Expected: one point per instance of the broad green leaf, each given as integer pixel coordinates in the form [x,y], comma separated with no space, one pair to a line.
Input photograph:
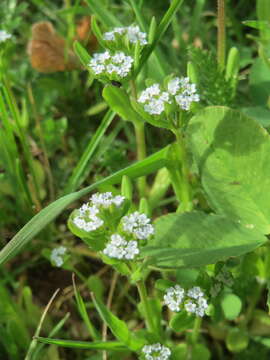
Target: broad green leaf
[118,327]
[232,152]
[231,305]
[260,82]
[48,214]
[196,239]
[96,345]
[259,113]
[82,53]
[118,100]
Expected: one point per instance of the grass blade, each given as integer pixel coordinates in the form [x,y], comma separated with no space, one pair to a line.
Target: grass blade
[77,178]
[103,14]
[162,27]
[45,216]
[97,345]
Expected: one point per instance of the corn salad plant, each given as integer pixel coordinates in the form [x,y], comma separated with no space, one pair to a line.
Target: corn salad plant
[183,230]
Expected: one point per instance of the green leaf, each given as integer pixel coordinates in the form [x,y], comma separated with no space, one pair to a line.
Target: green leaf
[151,119]
[196,239]
[259,113]
[259,82]
[84,315]
[237,340]
[118,100]
[200,352]
[49,213]
[161,29]
[97,345]
[118,327]
[231,305]
[105,16]
[82,53]
[232,152]
[181,321]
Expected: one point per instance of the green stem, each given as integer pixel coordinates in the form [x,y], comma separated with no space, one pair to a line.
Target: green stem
[196,330]
[140,143]
[141,155]
[192,340]
[182,174]
[147,308]
[221,38]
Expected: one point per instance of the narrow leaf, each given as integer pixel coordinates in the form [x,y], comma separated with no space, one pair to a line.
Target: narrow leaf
[97,345]
[118,327]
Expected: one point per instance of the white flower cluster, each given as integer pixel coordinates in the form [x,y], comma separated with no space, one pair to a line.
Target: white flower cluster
[180,90]
[138,225]
[174,297]
[118,64]
[132,32]
[193,302]
[107,199]
[57,255]
[184,92]
[4,36]
[120,248]
[87,218]
[156,352]
[154,99]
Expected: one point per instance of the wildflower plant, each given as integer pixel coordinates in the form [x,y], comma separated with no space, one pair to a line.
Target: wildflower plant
[170,234]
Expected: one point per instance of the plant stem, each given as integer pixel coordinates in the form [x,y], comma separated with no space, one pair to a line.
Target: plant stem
[183,187]
[147,309]
[140,143]
[221,38]
[196,329]
[109,304]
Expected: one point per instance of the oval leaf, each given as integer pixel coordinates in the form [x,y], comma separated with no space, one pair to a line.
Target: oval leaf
[196,239]
[233,154]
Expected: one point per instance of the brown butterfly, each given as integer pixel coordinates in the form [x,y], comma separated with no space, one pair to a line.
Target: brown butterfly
[48,51]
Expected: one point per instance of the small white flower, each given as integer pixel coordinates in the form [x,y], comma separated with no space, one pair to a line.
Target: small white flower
[138,225]
[120,248]
[195,292]
[87,218]
[4,36]
[174,297]
[190,307]
[107,199]
[154,99]
[57,255]
[156,351]
[133,34]
[174,86]
[184,92]
[198,304]
[117,64]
